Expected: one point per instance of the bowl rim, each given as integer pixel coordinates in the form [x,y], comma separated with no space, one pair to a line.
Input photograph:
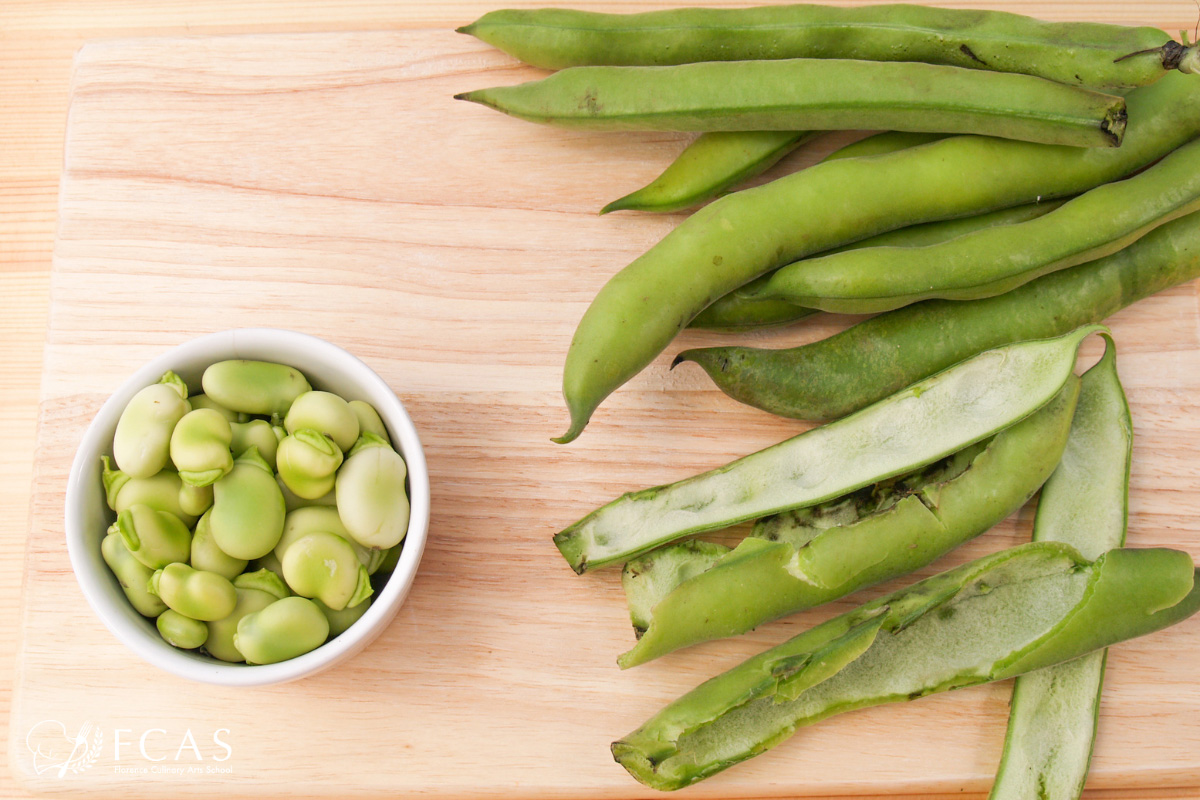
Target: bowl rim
[206,669]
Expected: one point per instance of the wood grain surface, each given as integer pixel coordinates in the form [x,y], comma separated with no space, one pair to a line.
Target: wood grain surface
[327,183]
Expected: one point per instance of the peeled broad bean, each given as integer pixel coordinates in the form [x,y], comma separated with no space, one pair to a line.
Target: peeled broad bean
[206,555]
[221,631]
[204,401]
[254,387]
[194,593]
[285,629]
[340,621]
[195,500]
[255,591]
[263,580]
[308,462]
[255,433]
[155,538]
[324,413]
[304,521]
[371,497]
[180,631]
[369,420]
[141,444]
[390,559]
[133,575]
[325,566]
[293,501]
[162,491]
[200,447]
[269,562]
[248,509]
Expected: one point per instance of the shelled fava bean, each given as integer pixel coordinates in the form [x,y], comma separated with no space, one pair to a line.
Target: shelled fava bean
[255,520]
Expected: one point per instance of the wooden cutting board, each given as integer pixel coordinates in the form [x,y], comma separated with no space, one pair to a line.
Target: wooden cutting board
[328,183]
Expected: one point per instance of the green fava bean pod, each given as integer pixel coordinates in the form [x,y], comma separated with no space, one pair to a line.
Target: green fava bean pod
[204,401]
[207,556]
[734,240]
[716,162]
[308,463]
[873,359]
[1083,53]
[325,566]
[922,424]
[200,447]
[880,143]
[162,491]
[285,629]
[325,413]
[142,442]
[997,617]
[804,558]
[745,309]
[340,621]
[132,575]
[197,594]
[256,433]
[254,387]
[998,259]
[371,496]
[1054,712]
[369,420]
[155,538]
[815,95]
[248,508]
[303,521]
[180,631]
[221,632]
[710,166]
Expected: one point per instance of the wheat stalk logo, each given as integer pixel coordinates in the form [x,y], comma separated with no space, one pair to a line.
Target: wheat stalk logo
[49,741]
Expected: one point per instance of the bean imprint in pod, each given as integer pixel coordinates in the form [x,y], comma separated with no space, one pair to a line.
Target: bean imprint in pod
[871,360]
[815,95]
[804,558]
[1054,711]
[922,424]
[998,259]
[1084,53]
[997,617]
[735,239]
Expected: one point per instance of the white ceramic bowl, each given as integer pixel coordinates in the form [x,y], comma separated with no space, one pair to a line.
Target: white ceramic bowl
[87,514]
